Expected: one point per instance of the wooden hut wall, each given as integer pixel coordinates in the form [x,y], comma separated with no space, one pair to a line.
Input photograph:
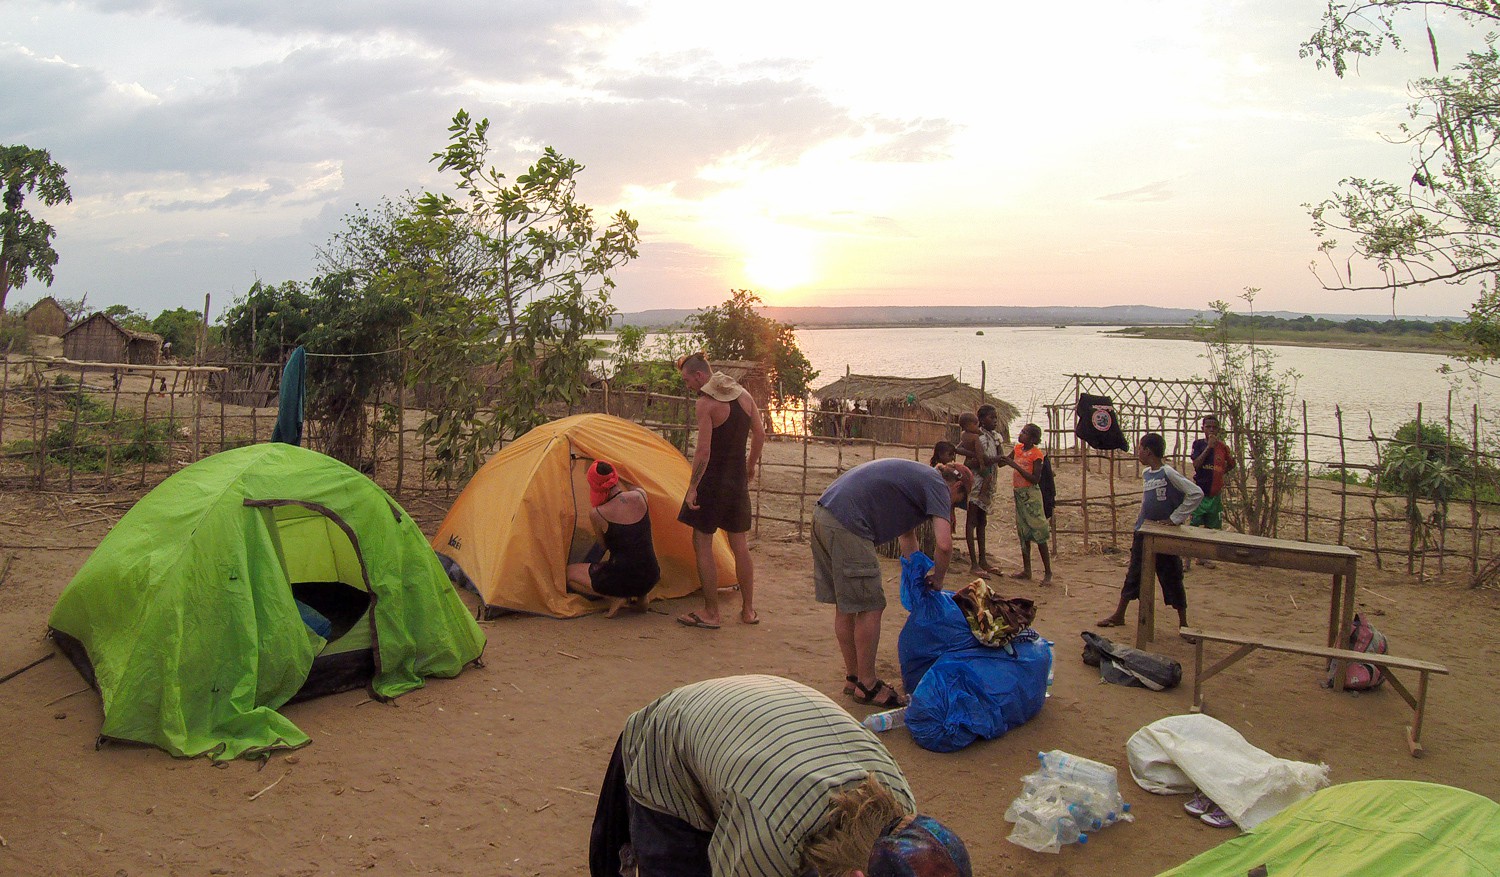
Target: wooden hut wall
[95,340]
[46,317]
[143,351]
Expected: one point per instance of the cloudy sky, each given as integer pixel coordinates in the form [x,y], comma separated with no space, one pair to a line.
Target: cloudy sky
[823,152]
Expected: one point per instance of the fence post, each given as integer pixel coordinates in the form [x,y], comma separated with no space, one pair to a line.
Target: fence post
[1338,416]
[1306,481]
[802,492]
[77,413]
[1083,500]
[41,446]
[1375,494]
[1474,501]
[1413,527]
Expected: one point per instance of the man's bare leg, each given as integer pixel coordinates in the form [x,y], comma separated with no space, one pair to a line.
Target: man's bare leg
[858,634]
[843,632]
[708,577]
[744,572]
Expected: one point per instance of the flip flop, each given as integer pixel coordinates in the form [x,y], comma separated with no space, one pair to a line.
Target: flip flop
[693,620]
[1108,622]
[1198,805]
[1217,818]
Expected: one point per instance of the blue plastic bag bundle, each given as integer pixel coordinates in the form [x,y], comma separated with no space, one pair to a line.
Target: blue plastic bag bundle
[934,626]
[961,690]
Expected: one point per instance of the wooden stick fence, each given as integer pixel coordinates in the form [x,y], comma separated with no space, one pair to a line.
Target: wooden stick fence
[50,409]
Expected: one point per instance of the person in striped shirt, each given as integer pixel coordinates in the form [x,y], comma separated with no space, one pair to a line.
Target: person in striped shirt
[759,776]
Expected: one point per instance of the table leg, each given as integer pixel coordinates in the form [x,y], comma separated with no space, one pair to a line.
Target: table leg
[1414,733]
[1145,621]
[1346,621]
[1335,611]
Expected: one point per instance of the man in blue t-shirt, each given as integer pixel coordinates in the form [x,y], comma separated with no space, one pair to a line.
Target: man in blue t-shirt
[869,505]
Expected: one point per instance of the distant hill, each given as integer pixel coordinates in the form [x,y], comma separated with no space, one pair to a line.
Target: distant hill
[979,316]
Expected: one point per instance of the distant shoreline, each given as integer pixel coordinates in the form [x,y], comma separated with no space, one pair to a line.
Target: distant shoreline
[1373,342]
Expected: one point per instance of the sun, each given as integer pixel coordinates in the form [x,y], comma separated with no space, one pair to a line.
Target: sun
[778,258]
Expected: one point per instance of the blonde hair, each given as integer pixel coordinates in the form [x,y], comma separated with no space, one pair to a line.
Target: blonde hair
[857,817]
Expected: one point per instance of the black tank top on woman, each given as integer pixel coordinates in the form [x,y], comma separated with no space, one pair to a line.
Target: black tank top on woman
[631,569]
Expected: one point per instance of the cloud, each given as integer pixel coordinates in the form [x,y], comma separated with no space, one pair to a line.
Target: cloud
[1157,191]
[917,140]
[511,38]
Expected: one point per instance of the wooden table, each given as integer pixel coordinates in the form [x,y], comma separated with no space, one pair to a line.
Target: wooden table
[1220,545]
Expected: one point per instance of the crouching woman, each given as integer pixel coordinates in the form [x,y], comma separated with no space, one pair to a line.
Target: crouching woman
[621,566]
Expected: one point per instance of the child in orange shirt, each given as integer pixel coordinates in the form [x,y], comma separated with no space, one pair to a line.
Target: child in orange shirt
[1031,516]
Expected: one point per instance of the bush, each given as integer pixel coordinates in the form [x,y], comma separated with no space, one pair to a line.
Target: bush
[86,432]
[13,335]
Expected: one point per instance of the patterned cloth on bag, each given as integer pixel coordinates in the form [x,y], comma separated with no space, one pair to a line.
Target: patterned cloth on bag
[994,619]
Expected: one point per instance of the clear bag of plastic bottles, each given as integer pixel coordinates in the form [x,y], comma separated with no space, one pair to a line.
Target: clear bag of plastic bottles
[1063,801]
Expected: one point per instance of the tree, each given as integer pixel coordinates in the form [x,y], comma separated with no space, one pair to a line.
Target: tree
[735,330]
[529,284]
[25,241]
[1441,225]
[269,321]
[353,329]
[181,328]
[1254,402]
[128,318]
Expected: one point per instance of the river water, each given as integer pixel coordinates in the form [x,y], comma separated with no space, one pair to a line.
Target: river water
[1027,366]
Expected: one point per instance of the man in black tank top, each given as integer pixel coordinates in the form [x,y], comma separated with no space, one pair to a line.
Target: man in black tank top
[718,496]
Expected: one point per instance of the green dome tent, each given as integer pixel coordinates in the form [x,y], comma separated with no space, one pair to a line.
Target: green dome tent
[195,616]
[1374,828]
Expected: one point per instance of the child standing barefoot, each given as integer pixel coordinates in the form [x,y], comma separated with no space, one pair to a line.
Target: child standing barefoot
[981,451]
[1169,497]
[1031,515]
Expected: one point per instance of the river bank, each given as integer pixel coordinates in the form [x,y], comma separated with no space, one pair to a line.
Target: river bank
[1284,338]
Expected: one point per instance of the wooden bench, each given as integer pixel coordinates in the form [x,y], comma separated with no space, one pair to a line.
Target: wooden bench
[1248,644]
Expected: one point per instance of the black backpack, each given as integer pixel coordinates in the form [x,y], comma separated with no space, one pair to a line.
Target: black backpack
[1124,665]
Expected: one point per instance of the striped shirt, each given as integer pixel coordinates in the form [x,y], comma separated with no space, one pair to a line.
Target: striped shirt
[754,760]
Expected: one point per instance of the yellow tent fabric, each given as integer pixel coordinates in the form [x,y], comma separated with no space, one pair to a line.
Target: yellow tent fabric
[512,528]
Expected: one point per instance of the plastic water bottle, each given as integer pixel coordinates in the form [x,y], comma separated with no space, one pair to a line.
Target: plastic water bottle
[1051,662]
[885,721]
[1081,771]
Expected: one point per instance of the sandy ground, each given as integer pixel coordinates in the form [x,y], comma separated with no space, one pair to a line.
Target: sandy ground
[495,772]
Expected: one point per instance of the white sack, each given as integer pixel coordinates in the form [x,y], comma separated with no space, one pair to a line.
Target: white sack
[1181,753]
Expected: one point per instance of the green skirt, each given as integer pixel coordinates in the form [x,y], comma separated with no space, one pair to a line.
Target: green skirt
[1031,518]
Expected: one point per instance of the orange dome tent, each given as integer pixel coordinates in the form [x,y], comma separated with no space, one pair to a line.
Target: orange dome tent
[512,529]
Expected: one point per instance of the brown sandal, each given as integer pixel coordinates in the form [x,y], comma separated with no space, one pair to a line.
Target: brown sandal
[873,695]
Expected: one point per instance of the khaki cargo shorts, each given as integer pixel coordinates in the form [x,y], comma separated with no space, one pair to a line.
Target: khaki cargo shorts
[846,570]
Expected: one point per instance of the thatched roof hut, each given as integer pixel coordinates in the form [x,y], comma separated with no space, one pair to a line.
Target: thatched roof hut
[906,411]
[46,317]
[100,339]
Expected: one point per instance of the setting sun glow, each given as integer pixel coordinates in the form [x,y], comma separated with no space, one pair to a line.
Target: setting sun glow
[778,259]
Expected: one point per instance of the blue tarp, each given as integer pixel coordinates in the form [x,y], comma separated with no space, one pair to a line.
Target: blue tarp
[961,690]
